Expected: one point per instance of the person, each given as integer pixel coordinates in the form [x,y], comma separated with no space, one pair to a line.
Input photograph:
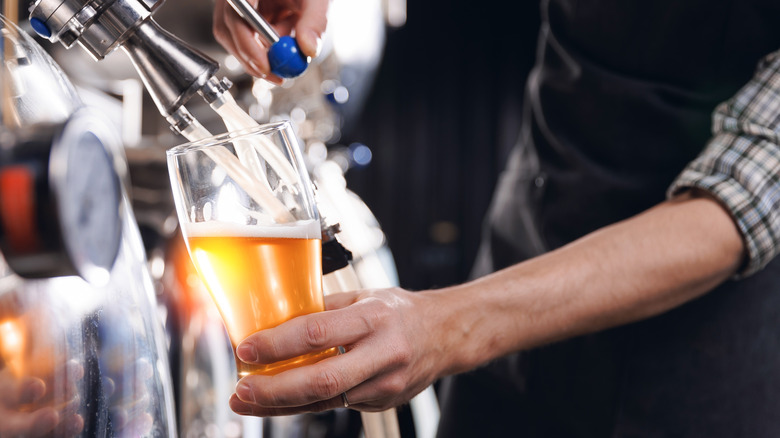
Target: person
[627,283]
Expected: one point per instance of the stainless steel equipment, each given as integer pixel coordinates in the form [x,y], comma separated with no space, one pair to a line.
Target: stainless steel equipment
[77,358]
[172,70]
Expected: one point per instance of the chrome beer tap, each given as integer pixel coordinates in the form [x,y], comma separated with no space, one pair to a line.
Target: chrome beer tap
[172,70]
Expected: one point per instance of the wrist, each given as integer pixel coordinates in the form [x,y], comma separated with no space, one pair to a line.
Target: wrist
[469,325]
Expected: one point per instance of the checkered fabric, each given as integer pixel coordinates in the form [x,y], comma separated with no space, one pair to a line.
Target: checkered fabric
[740,165]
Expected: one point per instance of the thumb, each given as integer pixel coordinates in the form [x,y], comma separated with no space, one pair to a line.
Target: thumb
[311,25]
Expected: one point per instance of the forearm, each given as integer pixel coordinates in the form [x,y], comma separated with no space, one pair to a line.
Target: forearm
[626,272]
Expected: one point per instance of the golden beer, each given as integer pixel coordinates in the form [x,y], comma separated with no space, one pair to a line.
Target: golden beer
[260,277]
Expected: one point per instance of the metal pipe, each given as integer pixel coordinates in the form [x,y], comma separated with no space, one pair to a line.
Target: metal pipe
[258,23]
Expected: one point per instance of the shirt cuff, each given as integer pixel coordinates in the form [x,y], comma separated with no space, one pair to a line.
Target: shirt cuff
[751,213]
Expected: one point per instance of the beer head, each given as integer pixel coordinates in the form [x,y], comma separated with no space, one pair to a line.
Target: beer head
[305,229]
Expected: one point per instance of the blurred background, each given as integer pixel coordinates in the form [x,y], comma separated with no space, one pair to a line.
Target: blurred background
[443,112]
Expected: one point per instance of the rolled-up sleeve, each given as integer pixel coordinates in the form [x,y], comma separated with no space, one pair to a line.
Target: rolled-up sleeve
[740,165]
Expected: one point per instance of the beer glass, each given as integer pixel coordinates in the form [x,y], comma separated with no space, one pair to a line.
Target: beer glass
[247,213]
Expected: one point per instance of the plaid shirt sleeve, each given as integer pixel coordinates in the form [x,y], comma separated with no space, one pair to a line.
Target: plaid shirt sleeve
[740,165]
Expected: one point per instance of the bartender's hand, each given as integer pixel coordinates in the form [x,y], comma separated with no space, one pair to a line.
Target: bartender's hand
[306,18]
[398,342]
[390,356]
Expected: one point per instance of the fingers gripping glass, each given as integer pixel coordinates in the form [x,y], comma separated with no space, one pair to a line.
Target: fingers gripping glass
[247,213]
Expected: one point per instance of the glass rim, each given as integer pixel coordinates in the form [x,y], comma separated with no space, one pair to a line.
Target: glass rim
[226,136]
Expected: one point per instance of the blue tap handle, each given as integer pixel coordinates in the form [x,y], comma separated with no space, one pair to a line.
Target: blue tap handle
[286,58]
[284,55]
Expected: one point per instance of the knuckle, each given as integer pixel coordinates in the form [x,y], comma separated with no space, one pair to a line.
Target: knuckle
[377,314]
[403,352]
[273,398]
[392,385]
[269,348]
[315,333]
[384,313]
[262,395]
[270,395]
[326,384]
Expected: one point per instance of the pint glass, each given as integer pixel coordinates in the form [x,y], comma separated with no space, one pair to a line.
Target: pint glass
[246,209]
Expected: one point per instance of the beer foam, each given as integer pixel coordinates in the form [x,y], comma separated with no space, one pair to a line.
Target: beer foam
[308,229]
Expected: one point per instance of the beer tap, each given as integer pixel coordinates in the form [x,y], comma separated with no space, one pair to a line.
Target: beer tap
[171,70]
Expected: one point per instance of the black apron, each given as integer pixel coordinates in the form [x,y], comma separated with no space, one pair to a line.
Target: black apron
[620,100]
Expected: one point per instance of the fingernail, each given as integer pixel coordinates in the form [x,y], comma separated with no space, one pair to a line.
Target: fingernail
[276,80]
[318,47]
[311,44]
[244,393]
[247,353]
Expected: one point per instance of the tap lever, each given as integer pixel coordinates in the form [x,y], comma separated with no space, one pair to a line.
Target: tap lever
[258,23]
[284,55]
